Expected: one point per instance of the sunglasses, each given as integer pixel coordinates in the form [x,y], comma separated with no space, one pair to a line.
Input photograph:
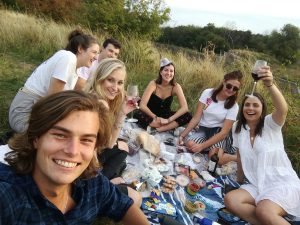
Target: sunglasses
[230,86]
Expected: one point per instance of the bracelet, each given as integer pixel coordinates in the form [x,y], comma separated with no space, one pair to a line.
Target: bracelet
[269,85]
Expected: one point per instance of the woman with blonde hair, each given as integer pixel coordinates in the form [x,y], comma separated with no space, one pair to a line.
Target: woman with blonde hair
[107,83]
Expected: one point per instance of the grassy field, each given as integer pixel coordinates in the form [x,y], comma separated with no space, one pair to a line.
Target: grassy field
[26,41]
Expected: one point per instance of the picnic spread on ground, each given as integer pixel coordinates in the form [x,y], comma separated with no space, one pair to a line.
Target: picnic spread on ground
[174,182]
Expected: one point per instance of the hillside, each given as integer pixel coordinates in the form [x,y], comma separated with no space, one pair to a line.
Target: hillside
[25,41]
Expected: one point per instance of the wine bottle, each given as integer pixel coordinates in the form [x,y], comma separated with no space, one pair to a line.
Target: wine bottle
[201,220]
[212,164]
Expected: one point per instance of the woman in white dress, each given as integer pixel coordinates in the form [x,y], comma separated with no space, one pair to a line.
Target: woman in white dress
[273,190]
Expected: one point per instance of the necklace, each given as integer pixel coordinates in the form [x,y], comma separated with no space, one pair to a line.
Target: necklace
[66,204]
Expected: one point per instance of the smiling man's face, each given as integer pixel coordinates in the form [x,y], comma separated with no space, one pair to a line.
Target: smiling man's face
[65,151]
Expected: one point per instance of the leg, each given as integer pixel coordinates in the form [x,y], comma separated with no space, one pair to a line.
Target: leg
[223,157]
[123,146]
[135,195]
[270,213]
[167,127]
[113,161]
[242,204]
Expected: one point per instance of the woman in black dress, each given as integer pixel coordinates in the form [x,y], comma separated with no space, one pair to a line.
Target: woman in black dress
[155,106]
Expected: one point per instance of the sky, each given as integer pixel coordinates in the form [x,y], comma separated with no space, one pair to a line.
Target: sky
[258,16]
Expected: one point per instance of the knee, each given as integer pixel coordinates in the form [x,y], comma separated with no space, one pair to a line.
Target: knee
[135,196]
[189,144]
[263,215]
[123,146]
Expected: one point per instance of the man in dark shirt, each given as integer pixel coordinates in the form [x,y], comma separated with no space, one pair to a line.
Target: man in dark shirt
[52,176]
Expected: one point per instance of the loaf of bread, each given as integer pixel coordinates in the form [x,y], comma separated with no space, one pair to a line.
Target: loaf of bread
[149,143]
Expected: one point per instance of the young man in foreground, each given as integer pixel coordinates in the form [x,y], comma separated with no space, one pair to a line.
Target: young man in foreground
[52,177]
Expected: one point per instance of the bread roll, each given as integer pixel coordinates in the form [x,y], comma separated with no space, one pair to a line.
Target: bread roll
[149,143]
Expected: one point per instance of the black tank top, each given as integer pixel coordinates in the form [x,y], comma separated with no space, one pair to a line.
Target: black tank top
[160,107]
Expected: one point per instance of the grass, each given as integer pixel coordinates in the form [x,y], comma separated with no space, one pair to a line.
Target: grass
[26,41]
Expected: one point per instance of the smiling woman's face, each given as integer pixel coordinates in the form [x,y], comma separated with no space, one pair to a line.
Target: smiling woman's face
[252,109]
[113,85]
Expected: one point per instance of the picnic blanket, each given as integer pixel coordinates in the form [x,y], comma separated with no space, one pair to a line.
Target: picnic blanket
[213,199]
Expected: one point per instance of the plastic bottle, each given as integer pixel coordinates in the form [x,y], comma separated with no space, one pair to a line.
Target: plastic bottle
[200,220]
[212,164]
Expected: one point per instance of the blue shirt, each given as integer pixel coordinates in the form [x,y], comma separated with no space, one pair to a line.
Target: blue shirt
[21,202]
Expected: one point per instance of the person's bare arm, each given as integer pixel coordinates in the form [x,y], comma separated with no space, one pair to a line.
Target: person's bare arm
[55,86]
[145,99]
[80,84]
[193,122]
[135,216]
[240,173]
[280,106]
[227,125]
[182,103]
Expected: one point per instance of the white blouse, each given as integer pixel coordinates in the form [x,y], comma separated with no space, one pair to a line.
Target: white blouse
[267,166]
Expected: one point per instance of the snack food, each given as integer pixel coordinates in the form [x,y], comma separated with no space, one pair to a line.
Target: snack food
[182,180]
[169,184]
[200,205]
[149,143]
[193,188]
[190,206]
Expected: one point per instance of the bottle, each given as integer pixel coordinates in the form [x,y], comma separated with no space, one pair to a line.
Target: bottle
[167,220]
[200,220]
[212,164]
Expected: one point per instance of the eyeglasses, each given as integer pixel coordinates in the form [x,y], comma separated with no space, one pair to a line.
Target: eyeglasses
[231,87]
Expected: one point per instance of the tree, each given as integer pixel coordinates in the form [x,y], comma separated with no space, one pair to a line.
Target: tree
[59,10]
[285,44]
[135,17]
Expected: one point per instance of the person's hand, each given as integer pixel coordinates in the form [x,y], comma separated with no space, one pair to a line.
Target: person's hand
[159,120]
[164,121]
[117,180]
[266,75]
[180,140]
[128,106]
[196,148]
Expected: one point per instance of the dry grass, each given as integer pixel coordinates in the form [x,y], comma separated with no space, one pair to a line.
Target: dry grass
[25,41]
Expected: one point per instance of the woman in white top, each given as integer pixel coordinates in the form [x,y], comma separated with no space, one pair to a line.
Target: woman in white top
[56,74]
[216,112]
[273,190]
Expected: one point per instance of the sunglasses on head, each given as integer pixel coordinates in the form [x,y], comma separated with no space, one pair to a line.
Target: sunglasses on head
[230,86]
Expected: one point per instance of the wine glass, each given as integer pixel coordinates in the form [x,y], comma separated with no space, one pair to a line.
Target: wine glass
[258,64]
[132,99]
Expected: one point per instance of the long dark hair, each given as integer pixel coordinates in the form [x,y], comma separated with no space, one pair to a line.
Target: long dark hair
[45,114]
[77,38]
[242,120]
[159,78]
[229,102]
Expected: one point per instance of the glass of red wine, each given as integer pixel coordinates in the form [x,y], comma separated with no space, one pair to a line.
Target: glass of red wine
[132,99]
[258,64]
